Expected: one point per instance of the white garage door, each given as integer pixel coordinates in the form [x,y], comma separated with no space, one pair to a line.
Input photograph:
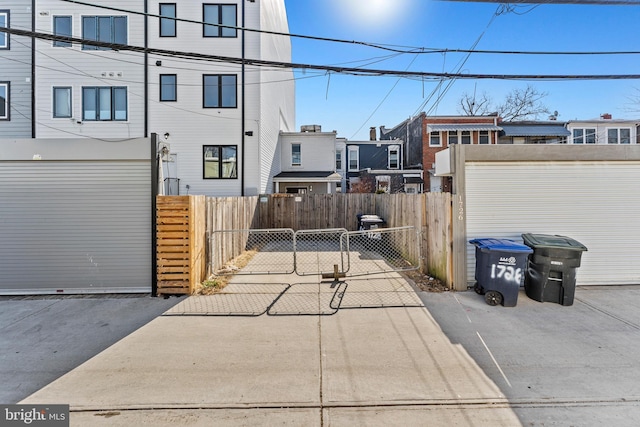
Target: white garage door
[595,203]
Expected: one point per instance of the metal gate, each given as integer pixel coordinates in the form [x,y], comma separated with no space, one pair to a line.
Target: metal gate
[328,252]
[332,253]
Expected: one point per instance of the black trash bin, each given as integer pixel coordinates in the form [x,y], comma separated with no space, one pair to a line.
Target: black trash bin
[551,270]
[500,269]
[370,222]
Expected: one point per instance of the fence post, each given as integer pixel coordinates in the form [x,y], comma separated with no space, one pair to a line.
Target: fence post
[180,249]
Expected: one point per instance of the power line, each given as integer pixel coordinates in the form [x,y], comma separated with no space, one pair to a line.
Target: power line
[79,72]
[573,2]
[393,48]
[459,68]
[276,33]
[334,69]
[383,100]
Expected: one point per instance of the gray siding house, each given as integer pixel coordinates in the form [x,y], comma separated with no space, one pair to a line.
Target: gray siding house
[377,166]
[16,71]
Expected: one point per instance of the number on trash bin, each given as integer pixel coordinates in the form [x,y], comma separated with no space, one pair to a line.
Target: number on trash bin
[509,273]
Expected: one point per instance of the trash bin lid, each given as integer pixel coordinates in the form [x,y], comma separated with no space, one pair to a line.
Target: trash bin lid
[503,245]
[540,241]
[371,218]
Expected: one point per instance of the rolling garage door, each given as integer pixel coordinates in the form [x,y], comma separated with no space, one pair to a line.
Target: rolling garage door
[595,203]
[81,226]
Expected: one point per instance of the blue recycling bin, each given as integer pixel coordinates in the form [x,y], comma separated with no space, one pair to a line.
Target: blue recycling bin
[500,269]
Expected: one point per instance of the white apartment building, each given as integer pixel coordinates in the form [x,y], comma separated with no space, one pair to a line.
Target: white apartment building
[217,118]
[220,119]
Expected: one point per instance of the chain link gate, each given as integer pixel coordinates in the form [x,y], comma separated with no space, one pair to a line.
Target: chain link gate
[331,253]
[315,252]
[270,251]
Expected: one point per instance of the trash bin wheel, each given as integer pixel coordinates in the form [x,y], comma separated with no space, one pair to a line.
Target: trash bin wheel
[493,298]
[479,290]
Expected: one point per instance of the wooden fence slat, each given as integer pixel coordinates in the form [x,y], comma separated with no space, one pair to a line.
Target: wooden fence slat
[189,227]
[180,243]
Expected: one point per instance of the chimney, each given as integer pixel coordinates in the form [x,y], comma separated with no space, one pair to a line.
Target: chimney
[310,128]
[372,134]
[606,116]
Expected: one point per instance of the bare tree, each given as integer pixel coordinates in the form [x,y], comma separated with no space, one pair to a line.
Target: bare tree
[470,105]
[633,106]
[519,104]
[523,104]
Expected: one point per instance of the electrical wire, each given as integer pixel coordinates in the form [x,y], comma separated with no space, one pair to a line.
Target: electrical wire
[383,100]
[357,71]
[113,81]
[459,66]
[253,30]
[573,2]
[505,8]
[114,140]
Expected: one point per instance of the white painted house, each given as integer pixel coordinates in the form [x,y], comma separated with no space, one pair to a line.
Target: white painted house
[604,130]
[217,118]
[309,162]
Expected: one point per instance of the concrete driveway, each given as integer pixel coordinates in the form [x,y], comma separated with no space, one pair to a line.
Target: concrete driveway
[557,365]
[44,337]
[456,362]
[380,359]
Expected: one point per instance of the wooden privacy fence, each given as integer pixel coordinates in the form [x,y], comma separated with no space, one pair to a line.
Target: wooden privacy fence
[180,250]
[429,213]
[228,213]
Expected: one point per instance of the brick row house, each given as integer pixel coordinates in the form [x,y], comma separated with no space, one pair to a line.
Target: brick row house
[427,135]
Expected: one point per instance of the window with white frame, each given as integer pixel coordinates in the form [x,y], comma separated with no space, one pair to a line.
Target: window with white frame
[338,160]
[465,138]
[453,137]
[61,102]
[619,136]
[104,103]
[4,23]
[62,27]
[394,157]
[584,136]
[296,154]
[220,161]
[107,29]
[434,139]
[168,87]
[219,20]
[578,136]
[167,24]
[219,91]
[354,161]
[483,137]
[4,100]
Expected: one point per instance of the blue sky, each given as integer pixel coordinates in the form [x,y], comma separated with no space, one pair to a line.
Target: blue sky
[352,104]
